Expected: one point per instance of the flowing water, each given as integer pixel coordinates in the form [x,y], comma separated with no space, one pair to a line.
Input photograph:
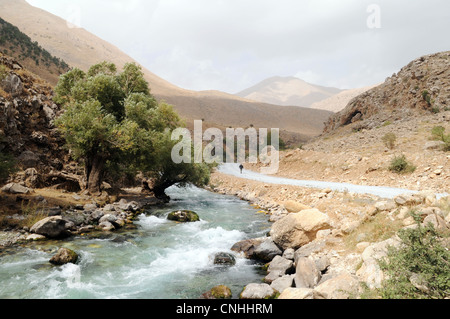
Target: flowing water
[161,259]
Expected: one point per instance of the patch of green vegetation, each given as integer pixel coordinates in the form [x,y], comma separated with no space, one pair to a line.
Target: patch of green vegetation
[438,134]
[11,37]
[400,165]
[419,268]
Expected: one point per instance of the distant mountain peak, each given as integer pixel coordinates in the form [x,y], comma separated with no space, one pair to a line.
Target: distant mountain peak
[288,91]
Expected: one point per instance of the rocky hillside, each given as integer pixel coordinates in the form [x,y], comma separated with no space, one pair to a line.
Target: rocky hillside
[80,48]
[422,87]
[18,45]
[26,129]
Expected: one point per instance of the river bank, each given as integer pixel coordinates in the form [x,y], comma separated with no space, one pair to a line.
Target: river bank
[157,258]
[350,234]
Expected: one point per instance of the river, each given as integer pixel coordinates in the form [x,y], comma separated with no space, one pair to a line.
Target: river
[161,259]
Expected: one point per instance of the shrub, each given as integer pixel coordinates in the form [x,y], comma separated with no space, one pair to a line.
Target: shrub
[427,97]
[400,165]
[438,133]
[7,166]
[419,268]
[389,140]
[3,72]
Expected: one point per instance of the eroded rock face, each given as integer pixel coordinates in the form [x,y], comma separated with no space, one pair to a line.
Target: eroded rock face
[408,93]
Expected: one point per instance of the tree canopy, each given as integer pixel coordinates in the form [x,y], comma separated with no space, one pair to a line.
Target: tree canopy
[111,122]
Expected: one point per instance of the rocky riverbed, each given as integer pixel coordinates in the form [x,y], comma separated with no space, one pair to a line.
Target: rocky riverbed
[324,244]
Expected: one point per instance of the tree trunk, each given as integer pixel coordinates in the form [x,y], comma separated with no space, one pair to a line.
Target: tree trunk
[159,191]
[95,175]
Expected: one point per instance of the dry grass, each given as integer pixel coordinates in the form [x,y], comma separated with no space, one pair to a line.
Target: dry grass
[375,229]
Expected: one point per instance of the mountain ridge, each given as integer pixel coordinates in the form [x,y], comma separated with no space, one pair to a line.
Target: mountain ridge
[288,91]
[81,49]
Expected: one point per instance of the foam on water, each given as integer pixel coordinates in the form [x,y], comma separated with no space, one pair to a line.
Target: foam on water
[162,259]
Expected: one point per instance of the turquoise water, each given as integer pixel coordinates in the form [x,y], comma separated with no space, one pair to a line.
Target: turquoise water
[159,260]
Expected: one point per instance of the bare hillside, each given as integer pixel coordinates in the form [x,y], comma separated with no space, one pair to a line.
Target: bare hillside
[288,91]
[338,102]
[80,48]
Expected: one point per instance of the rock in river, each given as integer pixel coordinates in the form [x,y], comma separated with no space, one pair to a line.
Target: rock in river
[225,259]
[184,216]
[64,256]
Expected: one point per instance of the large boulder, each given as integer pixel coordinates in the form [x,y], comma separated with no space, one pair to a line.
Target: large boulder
[307,274]
[64,256]
[344,286]
[52,227]
[297,230]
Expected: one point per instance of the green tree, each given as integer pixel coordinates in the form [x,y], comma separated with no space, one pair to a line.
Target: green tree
[419,268]
[164,173]
[113,124]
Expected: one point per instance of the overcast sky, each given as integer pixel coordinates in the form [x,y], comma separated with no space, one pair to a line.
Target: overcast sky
[230,45]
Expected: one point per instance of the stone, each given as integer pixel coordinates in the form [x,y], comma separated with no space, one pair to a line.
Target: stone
[438,222]
[12,84]
[247,247]
[282,283]
[106,226]
[294,207]
[64,256]
[35,237]
[289,254]
[296,294]
[258,291]
[385,206]
[108,218]
[95,216]
[307,275]
[281,265]
[51,227]
[134,206]
[224,259]
[14,188]
[89,208]
[184,216]
[297,230]
[266,250]
[218,292]
[344,286]
[370,272]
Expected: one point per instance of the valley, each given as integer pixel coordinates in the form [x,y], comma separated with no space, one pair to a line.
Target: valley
[66,119]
